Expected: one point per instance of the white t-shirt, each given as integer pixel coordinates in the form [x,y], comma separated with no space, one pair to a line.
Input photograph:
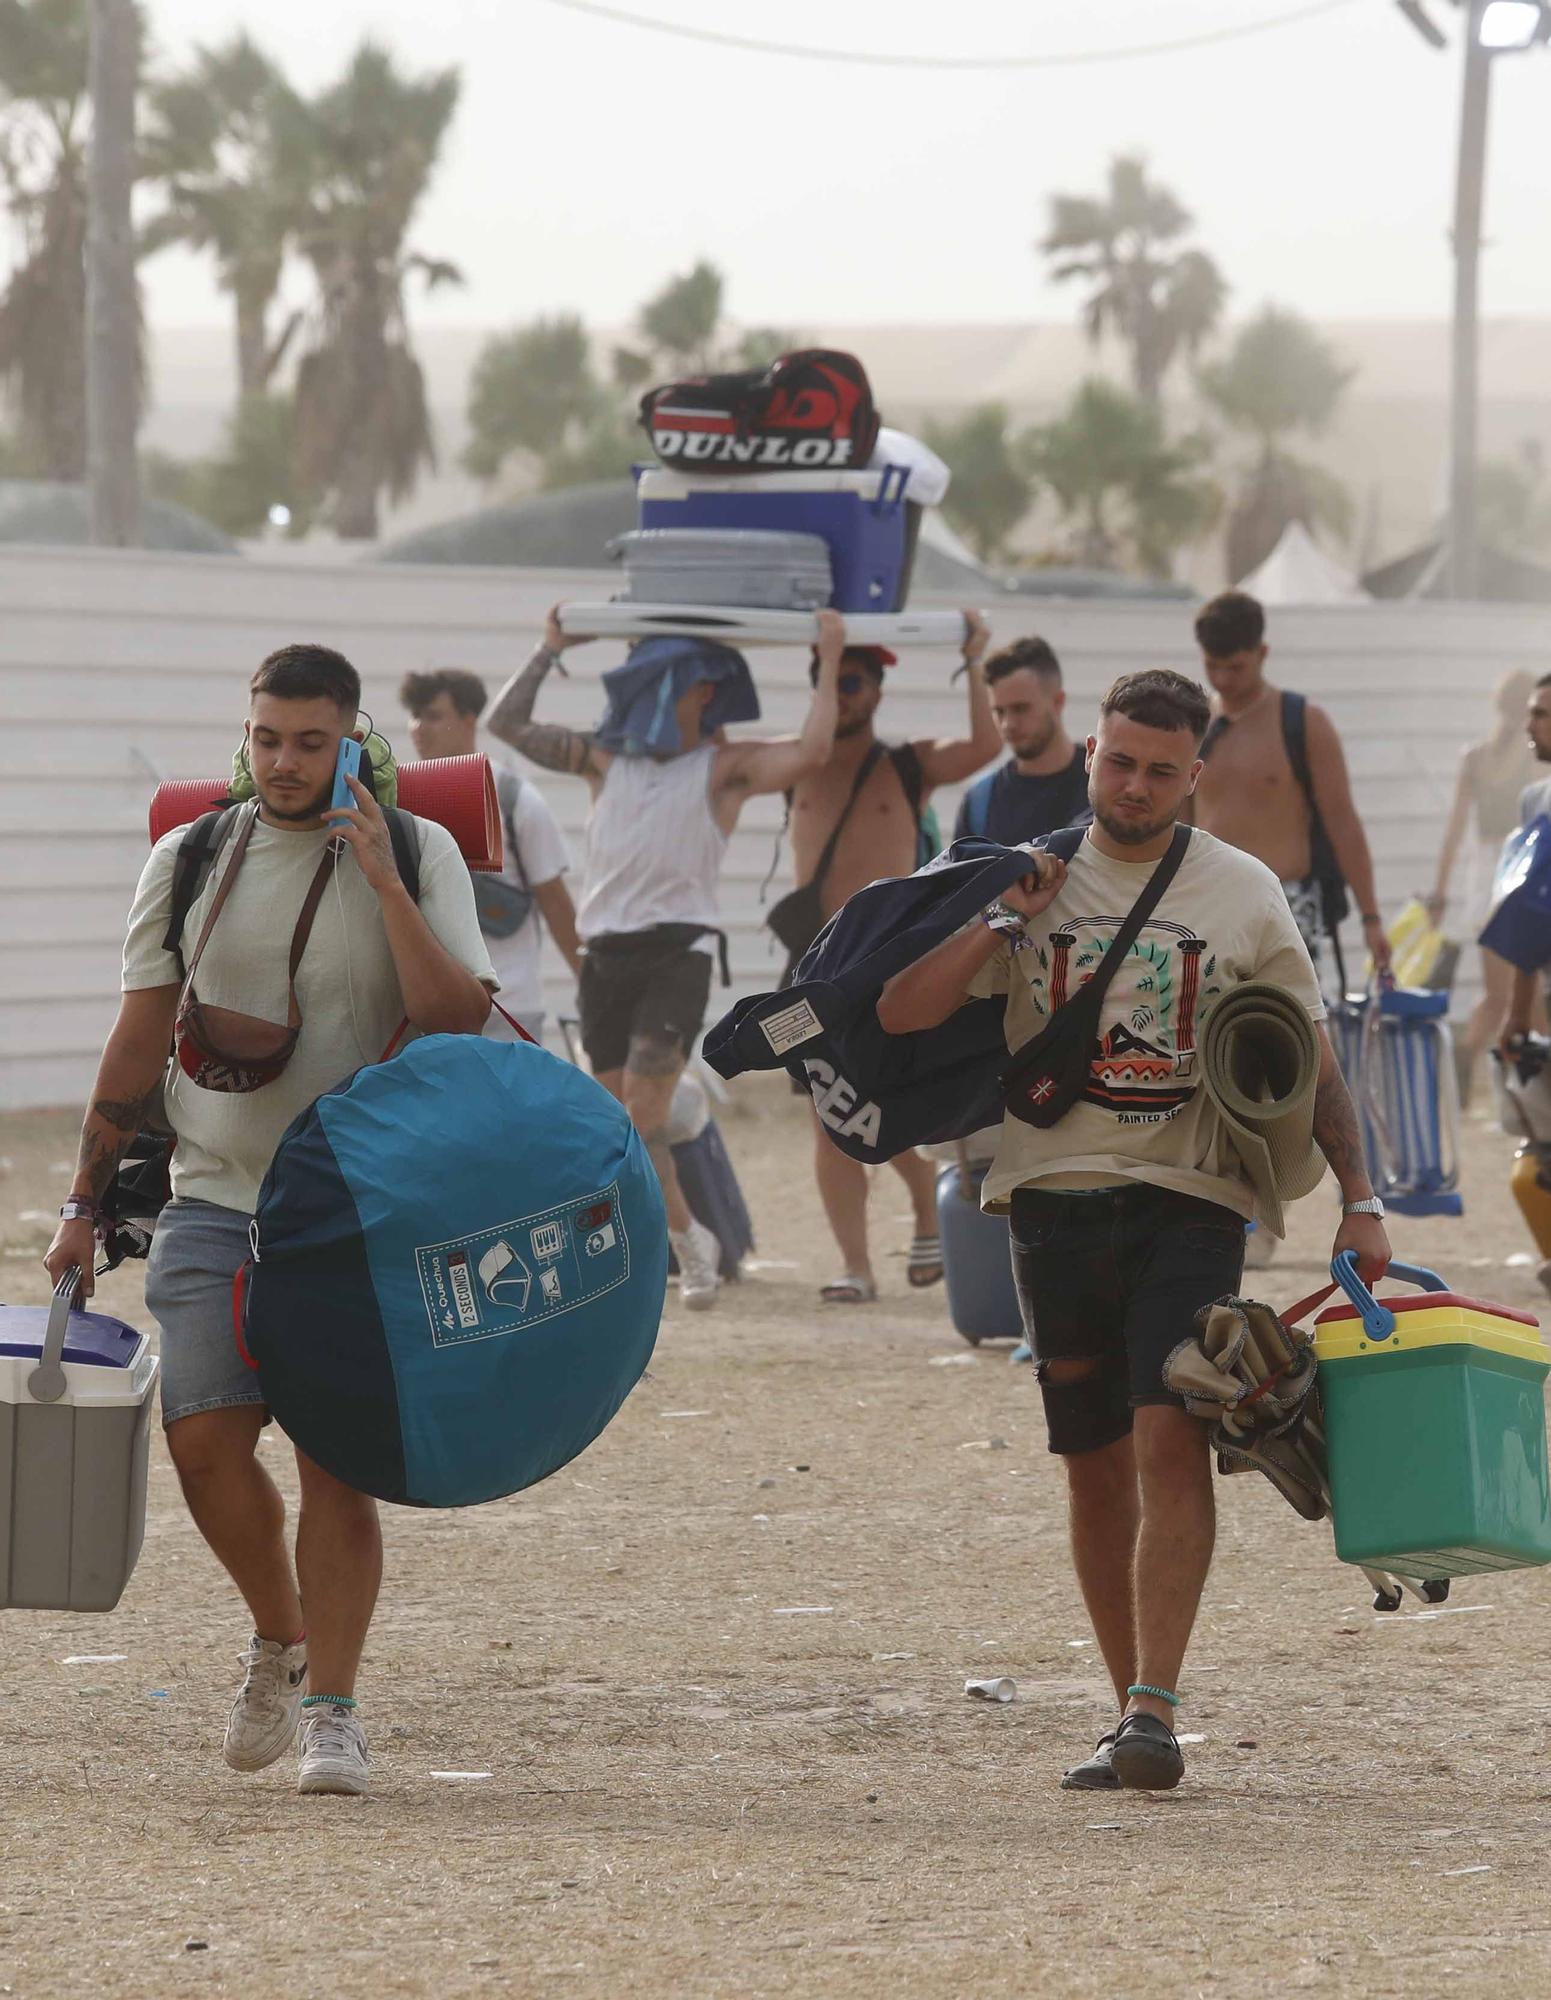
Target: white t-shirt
[1222,921]
[543,854]
[346,985]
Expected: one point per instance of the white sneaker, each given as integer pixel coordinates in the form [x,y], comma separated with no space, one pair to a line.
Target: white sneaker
[264,1715]
[699,1256]
[334,1755]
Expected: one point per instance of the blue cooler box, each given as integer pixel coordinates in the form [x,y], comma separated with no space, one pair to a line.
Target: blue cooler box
[976,1260]
[861,515]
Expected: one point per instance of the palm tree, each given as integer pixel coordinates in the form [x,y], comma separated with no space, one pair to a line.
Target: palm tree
[679,322]
[1279,376]
[530,391]
[370,146]
[212,142]
[43,121]
[1134,492]
[1159,303]
[992,485]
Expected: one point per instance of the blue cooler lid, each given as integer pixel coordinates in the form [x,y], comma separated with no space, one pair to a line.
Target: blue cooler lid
[90,1337]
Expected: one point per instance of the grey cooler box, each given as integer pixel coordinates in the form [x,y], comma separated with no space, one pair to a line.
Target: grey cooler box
[75,1433]
[755,568]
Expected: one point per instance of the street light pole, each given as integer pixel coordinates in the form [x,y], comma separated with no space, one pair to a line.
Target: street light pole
[112,311]
[1464,389]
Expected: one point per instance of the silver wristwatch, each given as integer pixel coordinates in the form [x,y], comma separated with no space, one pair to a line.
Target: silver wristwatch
[1372,1206]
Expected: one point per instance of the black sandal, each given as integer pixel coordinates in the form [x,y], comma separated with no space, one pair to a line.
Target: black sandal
[1095,1773]
[1146,1756]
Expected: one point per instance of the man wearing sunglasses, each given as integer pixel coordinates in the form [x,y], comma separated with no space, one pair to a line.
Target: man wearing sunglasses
[875,794]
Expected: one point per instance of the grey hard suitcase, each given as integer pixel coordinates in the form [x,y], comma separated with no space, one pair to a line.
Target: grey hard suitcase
[75,1433]
[757,569]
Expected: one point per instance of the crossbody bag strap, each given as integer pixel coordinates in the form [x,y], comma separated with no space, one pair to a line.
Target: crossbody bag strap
[1157,885]
[864,771]
[222,891]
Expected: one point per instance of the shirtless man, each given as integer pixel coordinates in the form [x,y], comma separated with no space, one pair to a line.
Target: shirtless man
[662,812]
[880,837]
[1249,794]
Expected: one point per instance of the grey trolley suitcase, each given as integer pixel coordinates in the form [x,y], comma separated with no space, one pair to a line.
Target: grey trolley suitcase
[75,1432]
[758,569]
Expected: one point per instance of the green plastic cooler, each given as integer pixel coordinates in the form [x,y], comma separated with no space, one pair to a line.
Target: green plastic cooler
[1435,1424]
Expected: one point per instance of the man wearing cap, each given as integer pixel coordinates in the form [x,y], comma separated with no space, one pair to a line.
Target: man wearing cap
[876,793]
[667,789]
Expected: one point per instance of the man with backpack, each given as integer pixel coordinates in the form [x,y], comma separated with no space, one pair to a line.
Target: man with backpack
[857,817]
[530,894]
[1044,783]
[667,789]
[310,937]
[1126,1194]
[1275,782]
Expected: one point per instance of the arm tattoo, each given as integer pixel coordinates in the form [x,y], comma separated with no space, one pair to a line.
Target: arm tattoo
[1336,1131]
[554,747]
[548,744]
[111,1124]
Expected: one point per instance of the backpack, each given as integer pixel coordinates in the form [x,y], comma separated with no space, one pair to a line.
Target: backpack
[503,907]
[142,1186]
[202,844]
[811,411]
[907,768]
[1335,903]
[975,812]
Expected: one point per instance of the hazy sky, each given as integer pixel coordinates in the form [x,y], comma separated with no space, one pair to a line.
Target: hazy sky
[589,159]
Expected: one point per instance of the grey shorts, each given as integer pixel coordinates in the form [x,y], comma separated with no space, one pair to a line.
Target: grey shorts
[195,1256]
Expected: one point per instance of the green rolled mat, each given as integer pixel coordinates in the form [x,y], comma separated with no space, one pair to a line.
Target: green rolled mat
[1260,1062]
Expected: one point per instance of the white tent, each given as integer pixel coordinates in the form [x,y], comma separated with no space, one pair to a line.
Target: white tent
[1298,571]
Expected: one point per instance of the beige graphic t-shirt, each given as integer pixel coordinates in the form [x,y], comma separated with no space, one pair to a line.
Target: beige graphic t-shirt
[346,985]
[1143,1117]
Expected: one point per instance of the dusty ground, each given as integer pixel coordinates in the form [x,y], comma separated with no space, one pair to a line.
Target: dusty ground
[701,1783]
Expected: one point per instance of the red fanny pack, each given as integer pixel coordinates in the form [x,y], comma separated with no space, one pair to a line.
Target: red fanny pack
[220,1048]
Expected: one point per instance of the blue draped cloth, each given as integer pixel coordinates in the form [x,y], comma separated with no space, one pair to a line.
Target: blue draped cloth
[643,691]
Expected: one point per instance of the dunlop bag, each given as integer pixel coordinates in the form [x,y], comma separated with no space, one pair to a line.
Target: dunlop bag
[811,411]
[460,1258]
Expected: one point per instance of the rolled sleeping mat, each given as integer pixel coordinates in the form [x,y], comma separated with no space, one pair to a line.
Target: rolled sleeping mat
[1260,1067]
[457,792]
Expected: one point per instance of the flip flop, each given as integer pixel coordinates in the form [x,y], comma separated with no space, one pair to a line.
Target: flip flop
[924,1262]
[848,1291]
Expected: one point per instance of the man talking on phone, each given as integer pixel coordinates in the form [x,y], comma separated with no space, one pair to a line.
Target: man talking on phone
[257,1034]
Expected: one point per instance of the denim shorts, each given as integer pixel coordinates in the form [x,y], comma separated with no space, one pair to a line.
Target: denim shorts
[195,1255]
[1115,1277]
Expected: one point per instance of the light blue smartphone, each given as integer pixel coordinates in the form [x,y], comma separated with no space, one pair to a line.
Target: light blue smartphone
[349,766]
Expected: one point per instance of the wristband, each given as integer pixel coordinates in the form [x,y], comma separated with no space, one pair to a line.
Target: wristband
[1004,919]
[76,1208]
[1371,917]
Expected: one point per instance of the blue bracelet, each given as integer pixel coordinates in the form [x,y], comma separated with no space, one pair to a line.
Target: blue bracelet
[1158,1694]
[328,1701]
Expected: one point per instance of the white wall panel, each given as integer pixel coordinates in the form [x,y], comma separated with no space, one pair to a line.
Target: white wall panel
[115,667]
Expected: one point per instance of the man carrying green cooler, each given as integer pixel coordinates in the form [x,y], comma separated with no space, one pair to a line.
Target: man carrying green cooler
[1128,1212]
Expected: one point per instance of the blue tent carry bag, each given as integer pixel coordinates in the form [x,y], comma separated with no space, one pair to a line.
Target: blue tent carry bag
[460,1258]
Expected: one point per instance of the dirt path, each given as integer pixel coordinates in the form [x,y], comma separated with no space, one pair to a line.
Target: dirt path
[714,1671]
